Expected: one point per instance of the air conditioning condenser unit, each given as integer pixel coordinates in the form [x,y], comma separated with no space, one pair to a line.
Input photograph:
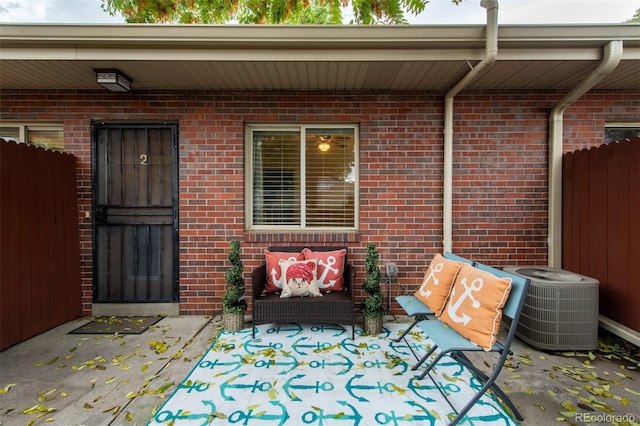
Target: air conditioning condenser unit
[560,311]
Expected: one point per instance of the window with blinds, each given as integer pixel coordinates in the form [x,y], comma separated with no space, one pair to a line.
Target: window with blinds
[302,177]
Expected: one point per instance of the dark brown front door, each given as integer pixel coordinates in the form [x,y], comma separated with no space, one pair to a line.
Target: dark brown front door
[135,212]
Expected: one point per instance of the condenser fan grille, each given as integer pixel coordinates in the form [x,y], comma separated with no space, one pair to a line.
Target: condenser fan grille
[558,313]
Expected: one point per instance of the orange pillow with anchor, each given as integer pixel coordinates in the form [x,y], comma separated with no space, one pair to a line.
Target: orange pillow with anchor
[474,308]
[437,283]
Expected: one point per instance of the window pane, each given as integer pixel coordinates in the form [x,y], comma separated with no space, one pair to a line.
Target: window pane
[46,138]
[330,177]
[613,134]
[10,133]
[276,178]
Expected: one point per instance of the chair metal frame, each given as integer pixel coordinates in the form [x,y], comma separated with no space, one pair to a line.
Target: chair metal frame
[449,342]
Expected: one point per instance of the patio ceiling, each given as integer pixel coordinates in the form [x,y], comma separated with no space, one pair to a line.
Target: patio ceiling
[206,57]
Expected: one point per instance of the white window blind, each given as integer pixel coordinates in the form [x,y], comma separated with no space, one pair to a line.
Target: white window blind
[330,178]
[303,178]
[276,178]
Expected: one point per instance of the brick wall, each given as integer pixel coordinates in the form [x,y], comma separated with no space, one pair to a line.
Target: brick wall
[500,173]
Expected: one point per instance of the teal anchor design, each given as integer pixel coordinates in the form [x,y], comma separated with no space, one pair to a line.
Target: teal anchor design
[269,363]
[475,383]
[277,330]
[381,388]
[319,416]
[448,387]
[223,346]
[216,362]
[460,368]
[395,419]
[491,418]
[237,333]
[416,387]
[238,416]
[322,328]
[356,349]
[385,333]
[380,365]
[255,387]
[323,364]
[319,346]
[168,417]
[414,347]
[197,386]
[253,346]
[318,387]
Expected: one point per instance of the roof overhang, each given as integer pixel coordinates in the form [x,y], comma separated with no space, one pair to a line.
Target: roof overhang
[210,57]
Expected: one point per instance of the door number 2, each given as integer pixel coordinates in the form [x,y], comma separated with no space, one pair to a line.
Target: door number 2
[144,159]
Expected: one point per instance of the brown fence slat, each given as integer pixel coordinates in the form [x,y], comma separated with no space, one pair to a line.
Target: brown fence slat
[612,249]
[619,284]
[23,223]
[11,330]
[39,241]
[72,238]
[567,209]
[598,223]
[632,285]
[601,224]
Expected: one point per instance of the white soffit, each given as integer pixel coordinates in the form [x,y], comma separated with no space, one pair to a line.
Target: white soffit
[309,57]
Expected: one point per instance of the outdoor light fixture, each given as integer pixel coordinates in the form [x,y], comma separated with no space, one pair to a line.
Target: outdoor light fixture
[113,80]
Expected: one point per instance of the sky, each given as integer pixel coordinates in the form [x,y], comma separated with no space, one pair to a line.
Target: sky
[437,12]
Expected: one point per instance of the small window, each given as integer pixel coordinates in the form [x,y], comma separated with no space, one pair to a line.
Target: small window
[49,136]
[620,131]
[302,177]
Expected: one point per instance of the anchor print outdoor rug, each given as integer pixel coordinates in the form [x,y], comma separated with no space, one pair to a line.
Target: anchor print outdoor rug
[293,374]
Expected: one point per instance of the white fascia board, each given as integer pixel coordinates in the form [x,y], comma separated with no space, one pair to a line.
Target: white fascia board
[631,53]
[295,55]
[246,55]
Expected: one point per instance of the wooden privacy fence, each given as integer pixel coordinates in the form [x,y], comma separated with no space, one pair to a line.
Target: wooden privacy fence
[39,241]
[601,224]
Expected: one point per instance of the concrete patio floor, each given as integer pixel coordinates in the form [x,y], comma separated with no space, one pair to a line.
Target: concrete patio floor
[94,380]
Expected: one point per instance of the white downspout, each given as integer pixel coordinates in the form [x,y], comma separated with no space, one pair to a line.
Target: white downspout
[610,60]
[491,52]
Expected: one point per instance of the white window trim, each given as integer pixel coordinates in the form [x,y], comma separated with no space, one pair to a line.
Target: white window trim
[622,124]
[302,128]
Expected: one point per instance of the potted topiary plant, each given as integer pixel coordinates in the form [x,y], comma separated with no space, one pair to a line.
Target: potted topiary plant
[371,308]
[234,304]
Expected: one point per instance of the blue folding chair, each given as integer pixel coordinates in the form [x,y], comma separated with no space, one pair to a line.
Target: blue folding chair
[415,308]
[449,342]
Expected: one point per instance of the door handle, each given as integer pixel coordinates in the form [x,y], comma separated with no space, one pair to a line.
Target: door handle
[100,215]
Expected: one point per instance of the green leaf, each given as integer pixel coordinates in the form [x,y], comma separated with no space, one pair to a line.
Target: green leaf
[567,405]
[632,391]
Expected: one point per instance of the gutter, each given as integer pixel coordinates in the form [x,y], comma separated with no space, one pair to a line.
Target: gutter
[610,59]
[491,53]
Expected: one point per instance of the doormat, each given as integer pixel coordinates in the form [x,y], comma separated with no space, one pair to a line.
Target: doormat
[295,374]
[119,325]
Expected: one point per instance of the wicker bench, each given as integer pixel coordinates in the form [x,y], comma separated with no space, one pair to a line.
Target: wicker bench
[335,307]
